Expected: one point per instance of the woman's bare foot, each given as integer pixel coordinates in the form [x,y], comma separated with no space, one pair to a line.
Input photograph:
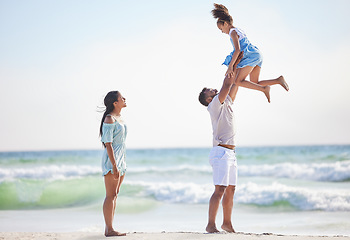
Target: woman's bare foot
[212,229]
[283,83]
[267,92]
[114,234]
[227,228]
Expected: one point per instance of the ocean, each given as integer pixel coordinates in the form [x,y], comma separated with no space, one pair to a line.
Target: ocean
[284,190]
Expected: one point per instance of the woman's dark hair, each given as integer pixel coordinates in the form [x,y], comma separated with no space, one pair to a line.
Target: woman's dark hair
[221,13]
[110,98]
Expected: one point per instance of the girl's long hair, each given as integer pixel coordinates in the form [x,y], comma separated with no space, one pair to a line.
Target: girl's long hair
[221,13]
[110,98]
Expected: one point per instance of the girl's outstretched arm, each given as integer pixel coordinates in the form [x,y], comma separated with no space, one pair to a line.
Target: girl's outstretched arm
[234,37]
[229,82]
[234,87]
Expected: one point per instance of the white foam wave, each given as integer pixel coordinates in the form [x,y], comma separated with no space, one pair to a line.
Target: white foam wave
[250,193]
[51,172]
[175,192]
[172,169]
[301,198]
[332,172]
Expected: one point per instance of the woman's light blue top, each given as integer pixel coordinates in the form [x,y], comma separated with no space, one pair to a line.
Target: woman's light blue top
[116,134]
[251,57]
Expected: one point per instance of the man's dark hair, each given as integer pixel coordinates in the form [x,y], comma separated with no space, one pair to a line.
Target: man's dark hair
[203,97]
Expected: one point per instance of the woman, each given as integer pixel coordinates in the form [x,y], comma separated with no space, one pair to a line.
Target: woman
[113,133]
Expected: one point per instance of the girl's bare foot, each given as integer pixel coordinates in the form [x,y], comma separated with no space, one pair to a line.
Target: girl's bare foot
[114,234]
[227,228]
[267,92]
[212,229]
[283,83]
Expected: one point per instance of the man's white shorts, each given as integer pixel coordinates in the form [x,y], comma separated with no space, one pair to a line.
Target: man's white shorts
[224,164]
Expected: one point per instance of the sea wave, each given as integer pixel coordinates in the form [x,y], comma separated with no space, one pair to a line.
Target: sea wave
[328,172]
[252,194]
[50,172]
[19,194]
[43,194]
[172,169]
[331,172]
[300,198]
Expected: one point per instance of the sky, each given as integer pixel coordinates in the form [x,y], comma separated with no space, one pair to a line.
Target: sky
[58,59]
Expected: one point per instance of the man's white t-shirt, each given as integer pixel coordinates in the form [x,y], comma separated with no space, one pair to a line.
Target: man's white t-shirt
[223,121]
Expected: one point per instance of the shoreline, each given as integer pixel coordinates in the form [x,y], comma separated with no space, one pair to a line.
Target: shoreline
[161,235]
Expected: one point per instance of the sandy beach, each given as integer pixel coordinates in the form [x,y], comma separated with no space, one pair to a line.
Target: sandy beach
[162,235]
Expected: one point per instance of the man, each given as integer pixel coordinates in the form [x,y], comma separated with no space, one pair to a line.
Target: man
[222,156]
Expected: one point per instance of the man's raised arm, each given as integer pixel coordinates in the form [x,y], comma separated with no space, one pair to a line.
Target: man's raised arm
[228,82]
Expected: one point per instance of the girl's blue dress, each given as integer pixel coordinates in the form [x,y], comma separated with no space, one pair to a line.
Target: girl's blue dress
[251,57]
[116,134]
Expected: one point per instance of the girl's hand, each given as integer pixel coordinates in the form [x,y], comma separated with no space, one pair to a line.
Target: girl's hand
[229,72]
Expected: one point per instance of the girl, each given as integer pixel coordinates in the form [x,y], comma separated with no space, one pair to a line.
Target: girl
[252,58]
[113,133]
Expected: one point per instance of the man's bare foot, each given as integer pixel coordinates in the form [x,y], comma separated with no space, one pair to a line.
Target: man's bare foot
[114,234]
[267,92]
[212,229]
[227,228]
[283,83]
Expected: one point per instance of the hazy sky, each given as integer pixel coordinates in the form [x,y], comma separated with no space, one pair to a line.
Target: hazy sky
[58,59]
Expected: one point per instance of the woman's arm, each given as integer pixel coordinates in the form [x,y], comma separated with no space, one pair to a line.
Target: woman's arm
[110,151]
[112,158]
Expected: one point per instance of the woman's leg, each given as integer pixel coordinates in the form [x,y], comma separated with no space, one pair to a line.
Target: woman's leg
[213,208]
[118,187]
[254,77]
[240,81]
[111,185]
[227,206]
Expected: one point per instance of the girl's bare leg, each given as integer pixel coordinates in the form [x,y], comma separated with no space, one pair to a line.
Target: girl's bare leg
[254,77]
[240,81]
[109,204]
[227,206]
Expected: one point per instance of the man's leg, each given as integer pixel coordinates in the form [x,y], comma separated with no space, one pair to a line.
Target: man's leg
[227,205]
[213,208]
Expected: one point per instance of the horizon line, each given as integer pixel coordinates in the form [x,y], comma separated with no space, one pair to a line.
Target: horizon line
[179,147]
